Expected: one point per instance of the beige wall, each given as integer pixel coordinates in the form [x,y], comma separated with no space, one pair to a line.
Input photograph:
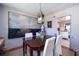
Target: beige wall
[54,22]
[74,13]
[69,11]
[61,26]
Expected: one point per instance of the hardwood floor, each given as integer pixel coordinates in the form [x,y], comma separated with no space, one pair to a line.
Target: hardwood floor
[19,52]
[65,49]
[65,43]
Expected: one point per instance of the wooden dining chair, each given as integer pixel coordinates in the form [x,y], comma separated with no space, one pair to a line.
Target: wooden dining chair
[37,34]
[49,46]
[57,47]
[27,35]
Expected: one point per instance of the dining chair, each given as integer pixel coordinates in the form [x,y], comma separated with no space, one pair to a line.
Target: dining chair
[28,35]
[57,47]
[37,34]
[49,46]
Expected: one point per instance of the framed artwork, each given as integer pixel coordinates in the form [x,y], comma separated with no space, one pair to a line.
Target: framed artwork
[18,20]
[49,24]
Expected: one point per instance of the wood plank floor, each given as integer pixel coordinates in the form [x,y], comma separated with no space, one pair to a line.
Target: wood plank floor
[19,52]
[65,49]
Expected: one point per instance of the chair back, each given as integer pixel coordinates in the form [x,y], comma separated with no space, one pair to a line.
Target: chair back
[28,35]
[37,34]
[57,47]
[49,46]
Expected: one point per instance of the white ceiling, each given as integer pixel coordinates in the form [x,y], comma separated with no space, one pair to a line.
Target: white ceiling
[34,8]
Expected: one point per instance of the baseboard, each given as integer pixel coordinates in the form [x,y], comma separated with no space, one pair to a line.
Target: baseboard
[12,49]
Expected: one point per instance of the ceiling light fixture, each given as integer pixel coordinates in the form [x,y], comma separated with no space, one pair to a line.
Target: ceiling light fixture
[41,16]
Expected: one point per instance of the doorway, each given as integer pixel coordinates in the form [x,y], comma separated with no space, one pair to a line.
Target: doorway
[64,29]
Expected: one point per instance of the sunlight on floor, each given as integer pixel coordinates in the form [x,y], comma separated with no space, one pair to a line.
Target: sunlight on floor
[65,43]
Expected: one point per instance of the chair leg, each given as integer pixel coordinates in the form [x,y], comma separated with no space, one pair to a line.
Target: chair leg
[31,52]
[38,52]
[23,51]
[74,53]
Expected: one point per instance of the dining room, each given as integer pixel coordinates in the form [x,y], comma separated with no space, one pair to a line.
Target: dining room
[31,29]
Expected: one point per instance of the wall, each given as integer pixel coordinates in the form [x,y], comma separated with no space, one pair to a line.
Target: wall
[3,22]
[74,13]
[48,18]
[4,27]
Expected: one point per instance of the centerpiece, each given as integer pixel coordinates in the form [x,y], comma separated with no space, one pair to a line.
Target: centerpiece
[42,35]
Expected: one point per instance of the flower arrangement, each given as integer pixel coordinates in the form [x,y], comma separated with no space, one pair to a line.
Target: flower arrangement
[42,35]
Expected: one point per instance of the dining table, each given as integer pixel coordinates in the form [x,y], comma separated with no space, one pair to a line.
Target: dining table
[35,44]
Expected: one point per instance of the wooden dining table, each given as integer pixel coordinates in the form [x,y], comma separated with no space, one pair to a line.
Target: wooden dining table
[35,44]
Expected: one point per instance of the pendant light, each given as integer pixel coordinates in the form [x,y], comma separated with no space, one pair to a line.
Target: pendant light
[41,15]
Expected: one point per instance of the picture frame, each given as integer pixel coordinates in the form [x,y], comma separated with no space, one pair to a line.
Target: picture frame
[49,24]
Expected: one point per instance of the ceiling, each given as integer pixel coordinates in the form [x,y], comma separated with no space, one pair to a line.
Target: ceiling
[34,8]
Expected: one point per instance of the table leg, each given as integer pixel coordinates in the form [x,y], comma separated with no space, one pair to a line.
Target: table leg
[38,52]
[31,52]
[23,46]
